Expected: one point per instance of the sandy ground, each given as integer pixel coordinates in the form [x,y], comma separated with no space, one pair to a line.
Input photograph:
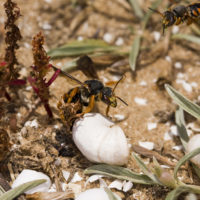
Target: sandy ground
[61,22]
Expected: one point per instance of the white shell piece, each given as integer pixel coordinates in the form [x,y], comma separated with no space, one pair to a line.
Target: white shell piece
[117,184]
[76,178]
[100,140]
[30,175]
[66,174]
[95,194]
[127,186]
[147,145]
[194,143]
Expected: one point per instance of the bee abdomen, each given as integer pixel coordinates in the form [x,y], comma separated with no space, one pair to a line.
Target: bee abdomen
[194,10]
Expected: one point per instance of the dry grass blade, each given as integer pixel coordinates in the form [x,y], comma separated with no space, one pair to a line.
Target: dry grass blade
[81,47]
[183,102]
[180,122]
[13,193]
[190,38]
[50,195]
[150,154]
[173,195]
[134,52]
[137,9]
[120,173]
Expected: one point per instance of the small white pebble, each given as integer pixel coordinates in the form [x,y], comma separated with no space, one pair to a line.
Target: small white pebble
[46,26]
[178,65]
[168,59]
[173,130]
[48,1]
[180,75]
[194,84]
[27,46]
[151,126]
[80,38]
[94,178]
[28,88]
[175,29]
[156,36]
[127,186]
[119,41]
[63,186]
[33,124]
[108,37]
[52,188]
[147,145]
[187,87]
[167,136]
[76,178]
[66,174]
[177,148]
[165,166]
[59,64]
[140,101]
[143,83]
[117,184]
[119,117]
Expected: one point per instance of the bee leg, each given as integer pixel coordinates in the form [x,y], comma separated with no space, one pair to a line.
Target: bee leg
[89,107]
[189,21]
[107,110]
[178,21]
[72,94]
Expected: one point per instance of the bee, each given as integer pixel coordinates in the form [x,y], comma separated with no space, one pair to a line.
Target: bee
[88,93]
[179,14]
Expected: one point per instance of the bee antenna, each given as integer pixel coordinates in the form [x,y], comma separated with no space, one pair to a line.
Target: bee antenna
[121,100]
[156,11]
[117,83]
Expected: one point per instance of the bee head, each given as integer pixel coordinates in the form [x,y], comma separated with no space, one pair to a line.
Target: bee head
[108,97]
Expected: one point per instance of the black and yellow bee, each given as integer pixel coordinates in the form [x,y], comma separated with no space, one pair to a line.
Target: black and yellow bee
[179,14]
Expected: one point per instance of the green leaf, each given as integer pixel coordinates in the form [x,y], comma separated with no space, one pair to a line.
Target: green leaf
[190,38]
[137,9]
[134,52]
[13,193]
[184,159]
[81,47]
[145,169]
[111,196]
[173,195]
[119,173]
[183,102]
[154,6]
[180,122]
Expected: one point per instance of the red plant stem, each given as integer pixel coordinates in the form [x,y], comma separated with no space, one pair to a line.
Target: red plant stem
[48,109]
[54,76]
[7,96]
[17,82]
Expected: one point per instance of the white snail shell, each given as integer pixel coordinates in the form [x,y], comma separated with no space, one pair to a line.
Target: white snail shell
[100,140]
[194,143]
[95,194]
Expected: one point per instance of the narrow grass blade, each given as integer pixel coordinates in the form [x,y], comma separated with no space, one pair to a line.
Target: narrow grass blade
[196,169]
[183,102]
[154,6]
[136,8]
[119,173]
[173,195]
[184,159]
[13,193]
[81,47]
[180,122]
[146,170]
[111,196]
[190,38]
[134,52]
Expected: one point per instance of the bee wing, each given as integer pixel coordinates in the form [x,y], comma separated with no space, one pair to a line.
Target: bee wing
[69,77]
